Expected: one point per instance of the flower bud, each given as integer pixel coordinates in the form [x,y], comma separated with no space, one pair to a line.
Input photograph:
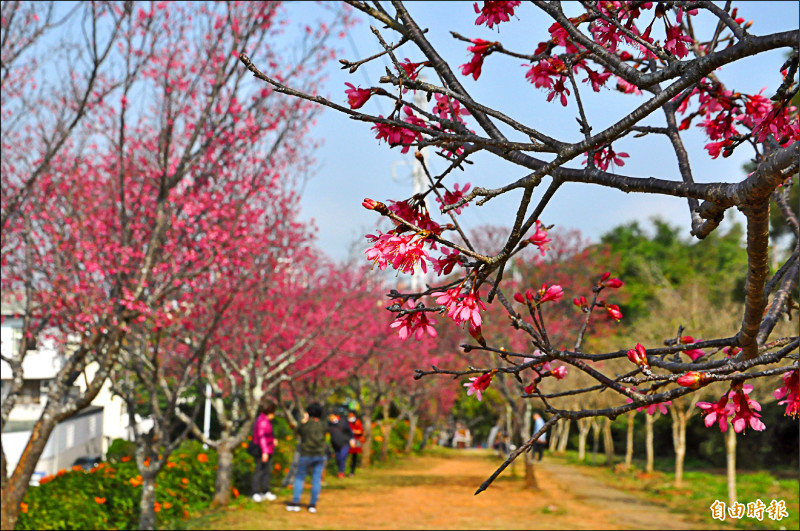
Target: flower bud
[638,355]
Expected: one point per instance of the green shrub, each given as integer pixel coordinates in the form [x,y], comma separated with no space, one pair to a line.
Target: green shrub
[108,496]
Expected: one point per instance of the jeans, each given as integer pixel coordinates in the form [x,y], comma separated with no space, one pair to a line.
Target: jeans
[341,458]
[308,463]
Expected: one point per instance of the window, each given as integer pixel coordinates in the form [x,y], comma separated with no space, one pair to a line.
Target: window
[31,392]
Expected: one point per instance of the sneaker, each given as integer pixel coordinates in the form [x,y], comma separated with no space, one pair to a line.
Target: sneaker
[312,509]
[269,496]
[257,498]
[293,508]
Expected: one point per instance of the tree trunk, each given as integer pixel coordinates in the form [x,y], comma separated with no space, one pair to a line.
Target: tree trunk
[530,476]
[366,449]
[564,437]
[412,429]
[608,441]
[648,442]
[555,436]
[629,440]
[730,449]
[147,513]
[386,431]
[595,439]
[584,425]
[14,489]
[222,486]
[679,419]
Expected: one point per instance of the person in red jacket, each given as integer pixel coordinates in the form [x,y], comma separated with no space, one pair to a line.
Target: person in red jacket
[264,437]
[358,434]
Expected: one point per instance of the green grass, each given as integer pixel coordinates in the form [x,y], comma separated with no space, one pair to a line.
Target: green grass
[701,488]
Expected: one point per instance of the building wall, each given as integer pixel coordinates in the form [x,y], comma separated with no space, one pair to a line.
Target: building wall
[75,437]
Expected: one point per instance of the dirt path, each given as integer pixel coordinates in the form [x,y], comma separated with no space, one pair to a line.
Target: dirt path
[437,493]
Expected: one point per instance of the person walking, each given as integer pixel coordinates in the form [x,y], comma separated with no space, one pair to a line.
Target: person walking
[341,441]
[358,435]
[264,438]
[541,442]
[311,431]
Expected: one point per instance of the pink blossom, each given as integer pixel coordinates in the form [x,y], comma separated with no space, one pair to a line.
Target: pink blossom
[478,384]
[597,80]
[402,252]
[357,97]
[661,407]
[539,238]
[480,49]
[559,372]
[411,69]
[627,88]
[494,12]
[449,108]
[789,390]
[676,42]
[552,293]
[444,264]
[451,198]
[580,303]
[745,408]
[606,156]
[693,353]
[461,308]
[717,412]
[559,89]
[414,323]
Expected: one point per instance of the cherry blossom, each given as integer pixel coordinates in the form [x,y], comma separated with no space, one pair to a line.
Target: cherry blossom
[494,12]
[478,384]
[789,393]
[717,412]
[451,198]
[357,97]
[416,323]
[539,238]
[745,409]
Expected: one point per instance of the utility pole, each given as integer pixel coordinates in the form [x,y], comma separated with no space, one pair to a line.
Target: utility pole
[419,183]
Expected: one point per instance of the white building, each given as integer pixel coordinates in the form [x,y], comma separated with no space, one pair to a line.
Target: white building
[86,434]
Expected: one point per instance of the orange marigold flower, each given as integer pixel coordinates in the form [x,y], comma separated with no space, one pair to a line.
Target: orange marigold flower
[244,445]
[172,493]
[61,472]
[170,464]
[185,513]
[235,492]
[166,505]
[147,461]
[185,481]
[203,458]
[77,468]
[45,479]
[135,482]
[277,466]
[156,506]
[24,507]
[125,458]
[100,465]
[288,437]
[98,499]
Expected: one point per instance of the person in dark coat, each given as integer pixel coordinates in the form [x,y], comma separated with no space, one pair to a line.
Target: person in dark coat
[341,440]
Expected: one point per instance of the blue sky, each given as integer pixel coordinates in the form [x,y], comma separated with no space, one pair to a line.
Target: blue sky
[352,165]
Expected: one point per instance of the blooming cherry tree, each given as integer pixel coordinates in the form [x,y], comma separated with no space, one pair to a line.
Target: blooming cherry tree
[654,55]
